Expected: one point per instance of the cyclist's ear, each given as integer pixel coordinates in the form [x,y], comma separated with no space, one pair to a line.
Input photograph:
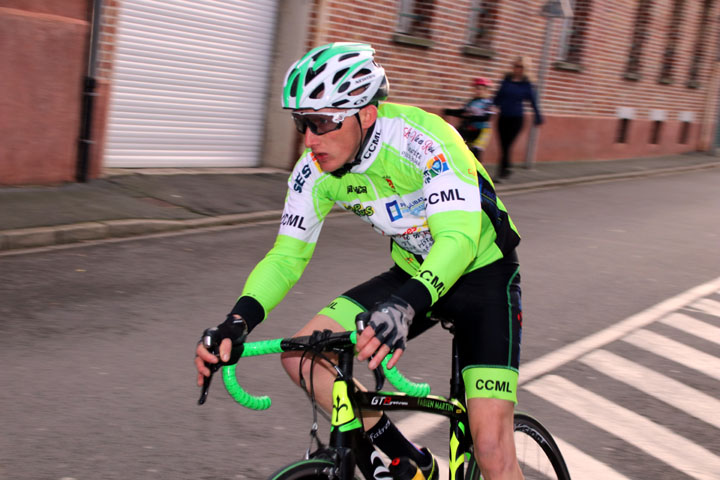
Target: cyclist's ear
[368,115]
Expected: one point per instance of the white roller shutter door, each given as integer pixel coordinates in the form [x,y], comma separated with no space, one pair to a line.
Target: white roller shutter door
[190,81]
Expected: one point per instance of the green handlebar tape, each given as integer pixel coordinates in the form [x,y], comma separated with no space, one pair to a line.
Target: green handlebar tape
[403,384]
[241,396]
[262,347]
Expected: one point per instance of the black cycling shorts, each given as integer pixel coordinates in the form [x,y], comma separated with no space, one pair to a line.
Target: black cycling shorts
[485,306]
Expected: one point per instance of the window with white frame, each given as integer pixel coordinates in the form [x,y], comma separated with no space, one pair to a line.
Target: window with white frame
[574,30]
[415,18]
[483,14]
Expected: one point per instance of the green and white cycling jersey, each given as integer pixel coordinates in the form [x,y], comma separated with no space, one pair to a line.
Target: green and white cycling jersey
[418,184]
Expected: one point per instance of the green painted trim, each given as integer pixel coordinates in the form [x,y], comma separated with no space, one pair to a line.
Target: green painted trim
[355,424]
[510,319]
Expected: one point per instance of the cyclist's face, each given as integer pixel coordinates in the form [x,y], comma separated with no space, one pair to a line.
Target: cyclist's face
[335,148]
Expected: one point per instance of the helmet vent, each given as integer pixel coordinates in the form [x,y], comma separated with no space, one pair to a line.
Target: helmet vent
[347,56]
[294,86]
[312,73]
[340,103]
[317,93]
[339,75]
[343,87]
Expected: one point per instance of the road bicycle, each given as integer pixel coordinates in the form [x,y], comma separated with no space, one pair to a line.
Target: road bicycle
[538,454]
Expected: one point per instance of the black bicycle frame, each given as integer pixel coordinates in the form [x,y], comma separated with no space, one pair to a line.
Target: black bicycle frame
[346,435]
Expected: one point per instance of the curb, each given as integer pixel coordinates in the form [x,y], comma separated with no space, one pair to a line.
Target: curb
[605,177]
[80,232]
[88,231]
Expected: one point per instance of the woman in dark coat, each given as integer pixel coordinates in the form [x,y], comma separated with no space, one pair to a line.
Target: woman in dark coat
[516,88]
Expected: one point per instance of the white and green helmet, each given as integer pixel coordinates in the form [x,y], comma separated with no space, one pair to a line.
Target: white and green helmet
[337,75]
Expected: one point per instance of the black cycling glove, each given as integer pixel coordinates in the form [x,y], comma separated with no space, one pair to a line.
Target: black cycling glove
[235,329]
[390,320]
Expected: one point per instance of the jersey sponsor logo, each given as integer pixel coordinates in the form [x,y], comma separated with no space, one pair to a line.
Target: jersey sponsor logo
[373,145]
[434,280]
[293,221]
[413,136]
[452,195]
[393,209]
[358,190]
[301,178]
[435,166]
[494,385]
[360,211]
[415,156]
[398,209]
[415,241]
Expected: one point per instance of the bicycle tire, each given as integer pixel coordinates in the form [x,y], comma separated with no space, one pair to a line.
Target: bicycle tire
[313,469]
[538,454]
[303,470]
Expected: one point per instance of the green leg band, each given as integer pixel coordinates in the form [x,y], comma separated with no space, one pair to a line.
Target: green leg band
[491,382]
[343,310]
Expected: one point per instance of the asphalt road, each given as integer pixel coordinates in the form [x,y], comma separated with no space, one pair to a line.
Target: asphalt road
[96,340]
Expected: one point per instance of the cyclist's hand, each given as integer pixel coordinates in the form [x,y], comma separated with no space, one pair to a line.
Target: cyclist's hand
[226,341]
[386,330]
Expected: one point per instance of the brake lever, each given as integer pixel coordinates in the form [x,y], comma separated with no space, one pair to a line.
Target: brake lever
[205,388]
[213,367]
[379,378]
[378,372]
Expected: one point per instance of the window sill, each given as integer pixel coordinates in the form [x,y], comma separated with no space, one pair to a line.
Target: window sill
[635,77]
[693,84]
[665,81]
[412,40]
[568,66]
[475,51]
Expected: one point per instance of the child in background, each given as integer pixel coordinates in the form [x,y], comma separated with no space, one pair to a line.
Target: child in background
[475,115]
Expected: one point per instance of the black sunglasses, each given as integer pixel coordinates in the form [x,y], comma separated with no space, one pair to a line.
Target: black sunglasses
[321,123]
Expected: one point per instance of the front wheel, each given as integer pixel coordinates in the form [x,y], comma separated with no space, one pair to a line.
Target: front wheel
[537,453]
[313,469]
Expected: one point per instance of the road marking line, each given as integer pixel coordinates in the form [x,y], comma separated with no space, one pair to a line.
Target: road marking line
[417,424]
[563,355]
[582,465]
[693,326]
[706,305]
[654,439]
[677,352]
[694,402]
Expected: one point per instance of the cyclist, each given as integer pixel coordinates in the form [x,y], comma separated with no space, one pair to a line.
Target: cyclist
[409,174]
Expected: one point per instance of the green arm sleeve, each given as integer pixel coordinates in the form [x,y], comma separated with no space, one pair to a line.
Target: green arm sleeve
[456,237]
[275,275]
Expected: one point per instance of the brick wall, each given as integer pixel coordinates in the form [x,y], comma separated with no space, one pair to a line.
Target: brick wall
[43,58]
[581,99]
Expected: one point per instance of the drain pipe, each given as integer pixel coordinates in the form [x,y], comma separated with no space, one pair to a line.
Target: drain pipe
[85,141]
